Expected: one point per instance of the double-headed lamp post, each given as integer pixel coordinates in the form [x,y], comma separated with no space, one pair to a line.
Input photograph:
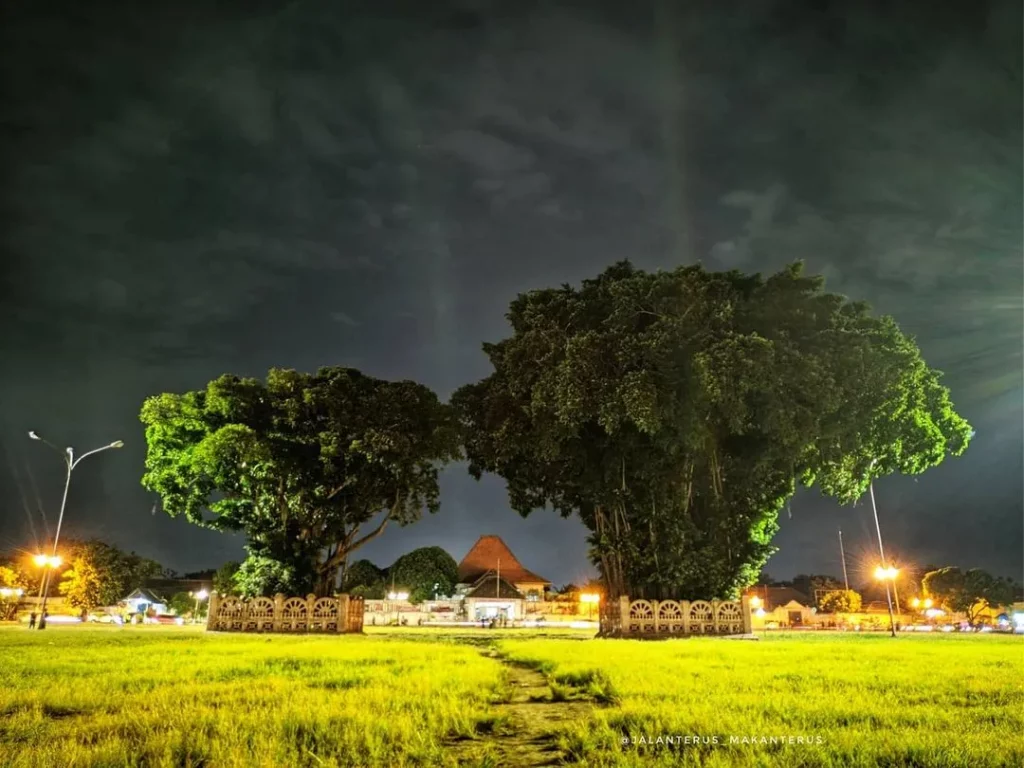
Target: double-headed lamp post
[68,454]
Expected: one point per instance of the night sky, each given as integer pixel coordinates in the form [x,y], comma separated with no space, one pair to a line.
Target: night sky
[199,190]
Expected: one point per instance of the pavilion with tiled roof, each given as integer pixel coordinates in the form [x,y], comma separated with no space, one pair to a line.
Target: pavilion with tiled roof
[490,555]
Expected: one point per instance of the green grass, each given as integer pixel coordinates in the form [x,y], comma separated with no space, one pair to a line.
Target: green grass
[156,697]
[871,700]
[169,696]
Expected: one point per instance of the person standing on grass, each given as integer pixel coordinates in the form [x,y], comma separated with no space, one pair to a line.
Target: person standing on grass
[32,620]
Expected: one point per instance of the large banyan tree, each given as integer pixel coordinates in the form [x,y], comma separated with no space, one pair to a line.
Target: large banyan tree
[300,463]
[675,412]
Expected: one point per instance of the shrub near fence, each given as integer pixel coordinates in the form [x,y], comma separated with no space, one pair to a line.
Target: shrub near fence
[667,618]
[342,613]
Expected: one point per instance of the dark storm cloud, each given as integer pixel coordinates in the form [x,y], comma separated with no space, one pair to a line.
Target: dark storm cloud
[191,191]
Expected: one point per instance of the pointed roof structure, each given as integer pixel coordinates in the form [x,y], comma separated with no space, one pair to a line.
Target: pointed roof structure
[490,586]
[490,553]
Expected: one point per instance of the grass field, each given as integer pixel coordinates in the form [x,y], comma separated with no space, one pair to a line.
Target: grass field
[168,696]
[949,700]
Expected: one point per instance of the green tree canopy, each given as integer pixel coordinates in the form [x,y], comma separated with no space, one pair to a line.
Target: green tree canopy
[98,574]
[840,601]
[676,411]
[182,604]
[12,588]
[362,573]
[967,592]
[224,579]
[300,463]
[420,570]
[814,585]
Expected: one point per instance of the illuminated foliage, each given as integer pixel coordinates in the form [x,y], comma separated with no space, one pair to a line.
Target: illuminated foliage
[99,574]
[840,601]
[418,571]
[676,411]
[967,592]
[300,464]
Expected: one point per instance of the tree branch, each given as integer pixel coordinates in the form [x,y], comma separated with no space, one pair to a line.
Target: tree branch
[337,490]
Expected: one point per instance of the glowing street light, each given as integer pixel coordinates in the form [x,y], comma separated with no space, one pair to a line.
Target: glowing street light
[590,598]
[47,561]
[890,575]
[202,594]
[755,601]
[68,455]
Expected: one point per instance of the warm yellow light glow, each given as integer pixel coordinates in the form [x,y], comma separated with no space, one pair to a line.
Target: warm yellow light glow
[398,595]
[755,601]
[202,594]
[589,597]
[883,574]
[928,603]
[44,561]
[40,560]
[915,602]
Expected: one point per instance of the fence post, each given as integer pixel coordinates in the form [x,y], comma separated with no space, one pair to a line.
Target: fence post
[342,612]
[278,618]
[310,605]
[623,615]
[748,621]
[685,606]
[211,611]
[655,604]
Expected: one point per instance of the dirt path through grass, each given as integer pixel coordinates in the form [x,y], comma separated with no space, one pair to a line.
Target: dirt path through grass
[523,730]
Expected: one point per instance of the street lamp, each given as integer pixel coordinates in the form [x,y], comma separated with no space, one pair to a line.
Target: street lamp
[68,454]
[881,551]
[202,594]
[590,599]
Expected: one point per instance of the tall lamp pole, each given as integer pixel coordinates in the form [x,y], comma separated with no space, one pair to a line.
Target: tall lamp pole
[842,555]
[881,552]
[68,455]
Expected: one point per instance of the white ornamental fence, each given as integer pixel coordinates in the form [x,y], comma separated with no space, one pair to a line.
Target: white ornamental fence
[668,618]
[342,613]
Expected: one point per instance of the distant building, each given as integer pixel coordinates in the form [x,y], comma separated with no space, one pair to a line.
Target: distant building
[141,600]
[784,606]
[492,597]
[490,555]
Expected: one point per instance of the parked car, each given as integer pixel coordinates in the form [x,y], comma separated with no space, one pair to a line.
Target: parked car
[166,618]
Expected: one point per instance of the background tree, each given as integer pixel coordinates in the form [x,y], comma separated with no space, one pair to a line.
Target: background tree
[224,579]
[10,582]
[814,585]
[83,584]
[366,577]
[182,603]
[675,413]
[840,601]
[97,574]
[969,592]
[300,463]
[420,570]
